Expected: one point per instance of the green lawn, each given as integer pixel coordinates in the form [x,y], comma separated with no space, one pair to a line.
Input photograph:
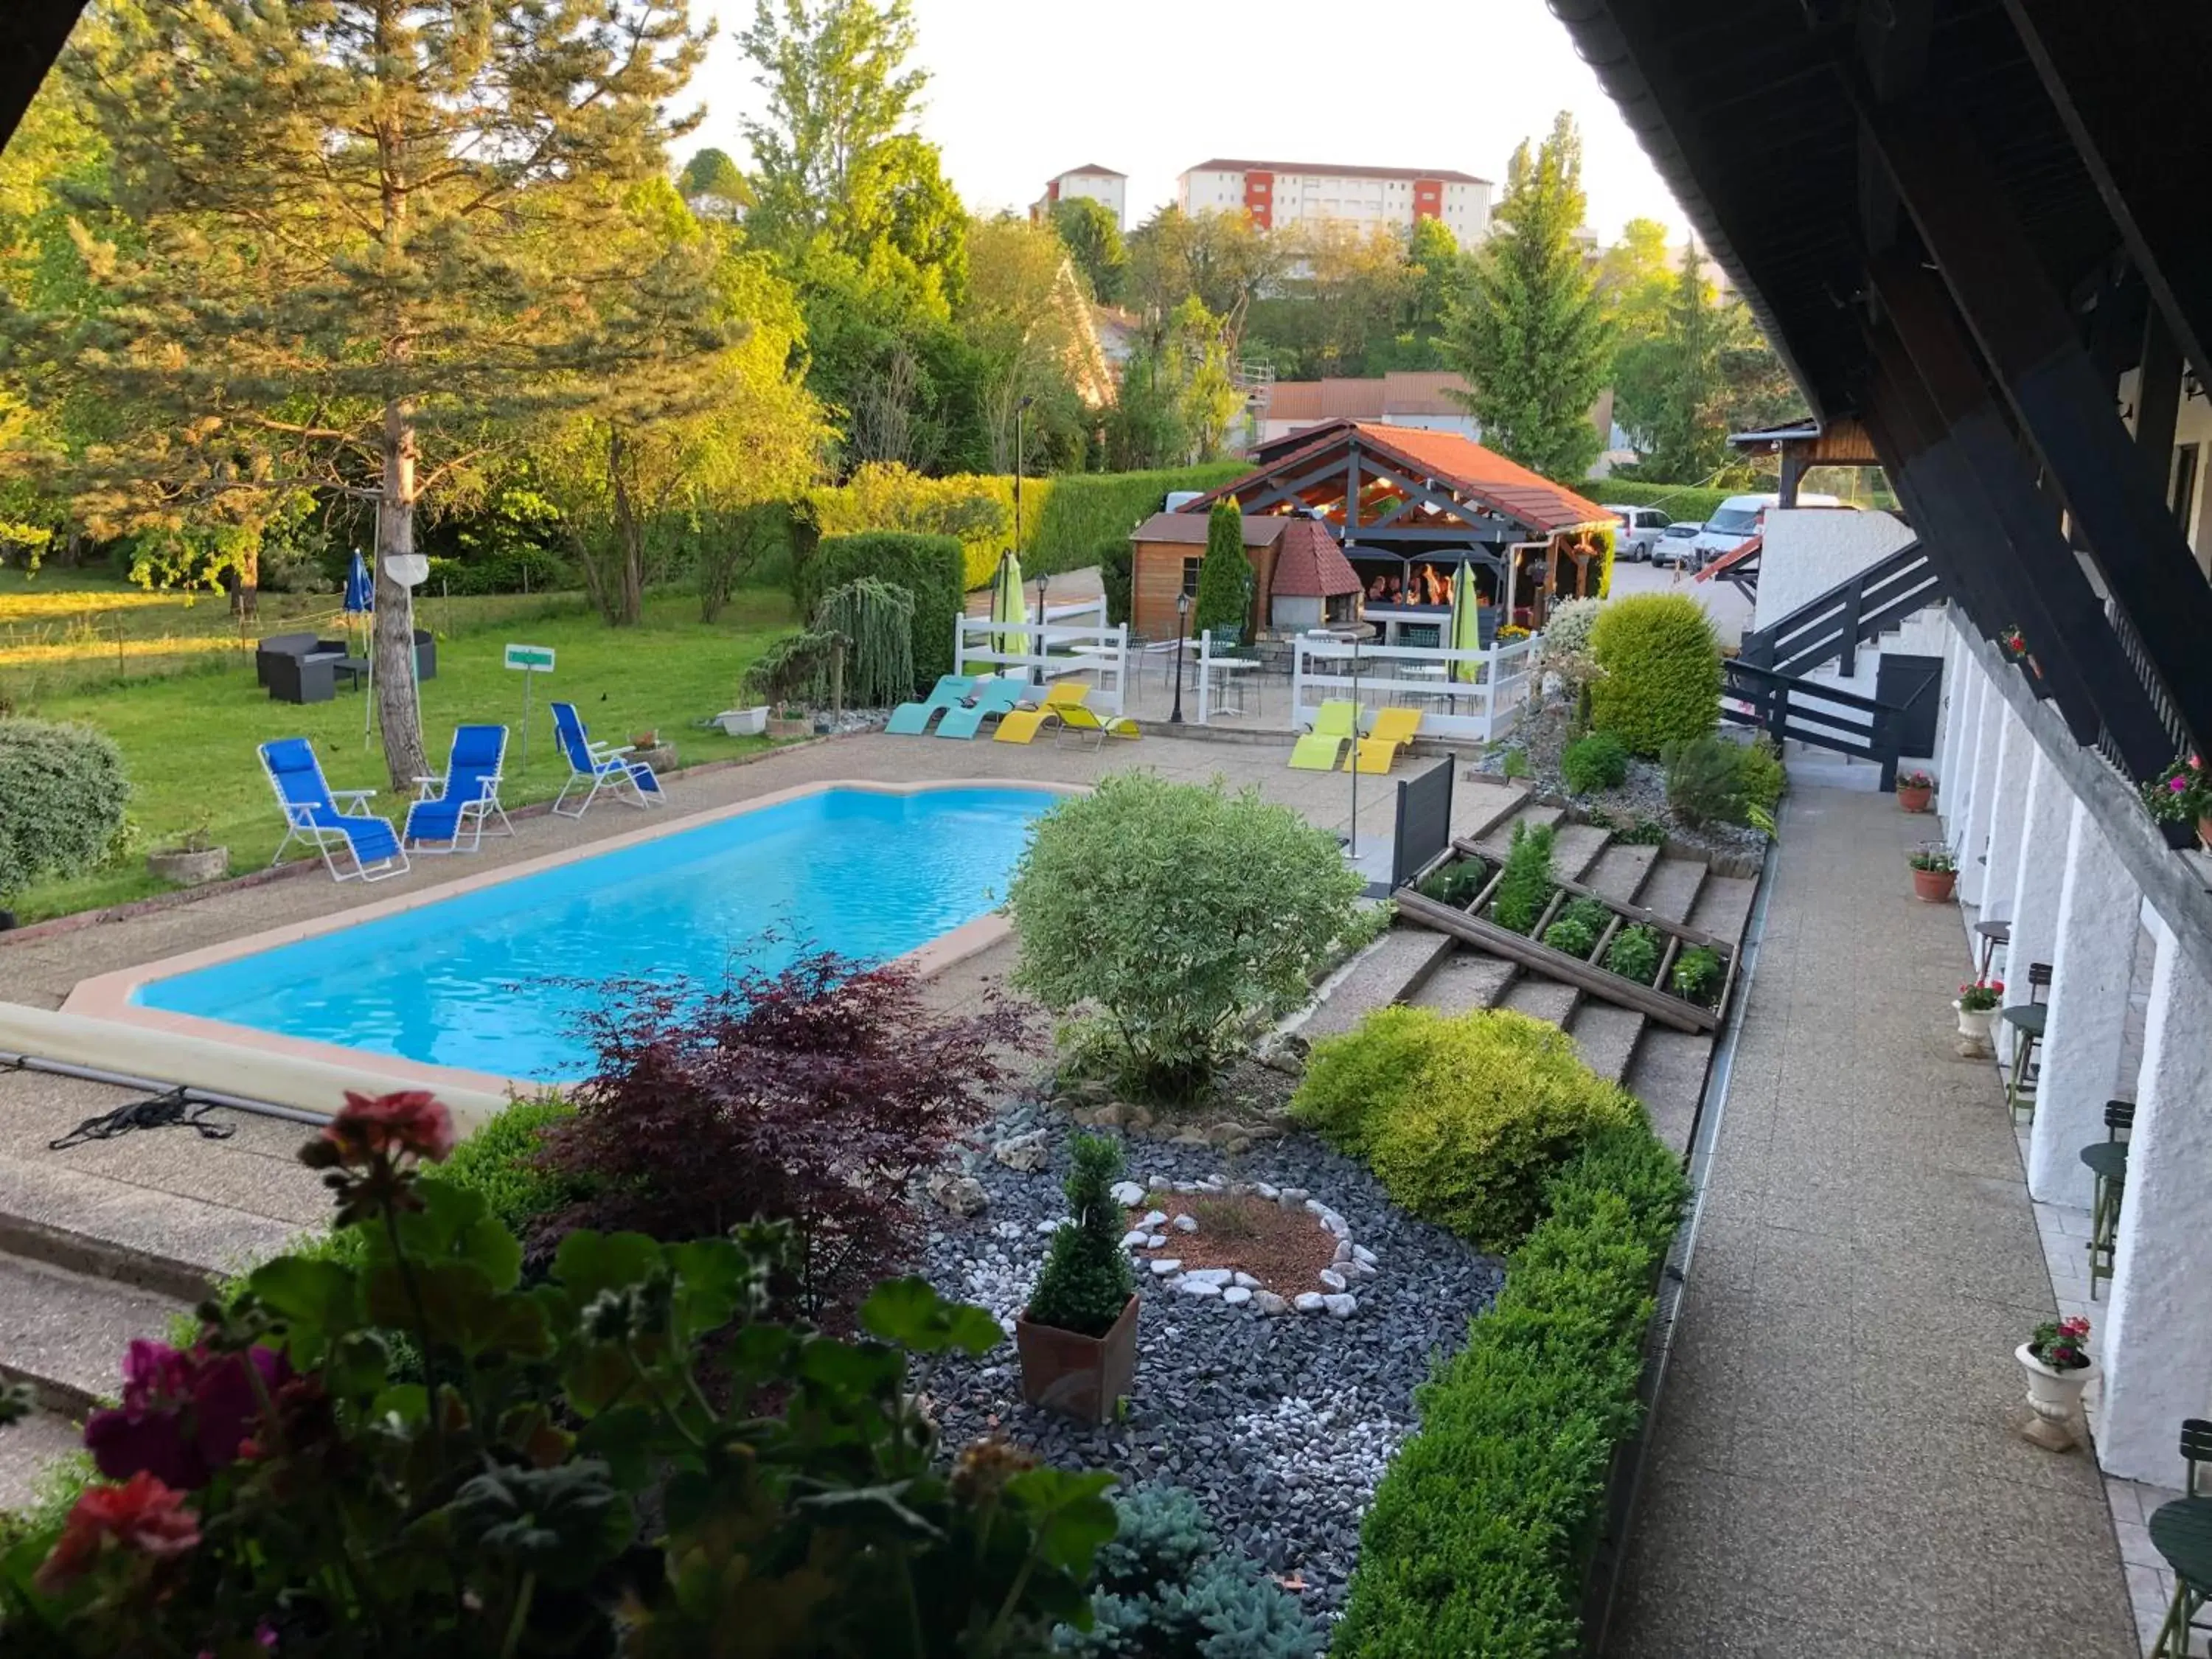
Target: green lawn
[188,738]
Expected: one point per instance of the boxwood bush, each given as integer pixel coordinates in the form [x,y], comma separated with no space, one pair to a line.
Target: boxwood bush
[63,791]
[1662,671]
[1599,761]
[1459,1116]
[1481,1533]
[928,567]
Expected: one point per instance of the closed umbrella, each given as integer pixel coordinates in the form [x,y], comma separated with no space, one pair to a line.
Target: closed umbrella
[1466,622]
[1008,606]
[361,600]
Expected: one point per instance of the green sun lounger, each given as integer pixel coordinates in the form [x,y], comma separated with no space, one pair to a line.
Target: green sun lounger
[911,720]
[1319,750]
[992,698]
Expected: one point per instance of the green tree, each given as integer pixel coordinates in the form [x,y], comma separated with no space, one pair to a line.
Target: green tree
[712,185]
[1225,576]
[1438,268]
[1222,259]
[1684,436]
[362,245]
[1094,241]
[1023,315]
[1531,336]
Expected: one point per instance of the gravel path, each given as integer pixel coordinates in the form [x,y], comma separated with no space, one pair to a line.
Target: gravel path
[1280,1425]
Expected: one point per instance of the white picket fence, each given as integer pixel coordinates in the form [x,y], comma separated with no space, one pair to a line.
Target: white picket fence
[1476,695]
[1050,646]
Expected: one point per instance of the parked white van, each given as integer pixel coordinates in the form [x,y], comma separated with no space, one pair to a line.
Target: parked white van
[1740,519]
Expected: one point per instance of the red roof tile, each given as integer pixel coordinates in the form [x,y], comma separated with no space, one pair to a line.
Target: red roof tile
[1309,564]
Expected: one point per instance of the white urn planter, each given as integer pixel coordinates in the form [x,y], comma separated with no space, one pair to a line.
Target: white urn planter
[2055,1399]
[744,722]
[1974,1030]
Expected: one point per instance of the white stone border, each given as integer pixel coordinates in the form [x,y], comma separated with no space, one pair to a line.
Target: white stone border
[1233,1289]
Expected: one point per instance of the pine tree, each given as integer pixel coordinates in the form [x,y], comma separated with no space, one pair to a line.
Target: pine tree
[361,244]
[1688,435]
[1530,336]
[1225,578]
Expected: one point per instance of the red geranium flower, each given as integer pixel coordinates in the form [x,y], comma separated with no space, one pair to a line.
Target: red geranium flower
[140,1515]
[407,1121]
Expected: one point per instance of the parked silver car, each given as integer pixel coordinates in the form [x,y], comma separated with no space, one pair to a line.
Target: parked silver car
[1677,545]
[1639,532]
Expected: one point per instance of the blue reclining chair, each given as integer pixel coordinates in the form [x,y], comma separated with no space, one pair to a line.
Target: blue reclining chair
[600,766]
[993,698]
[311,814]
[467,799]
[911,720]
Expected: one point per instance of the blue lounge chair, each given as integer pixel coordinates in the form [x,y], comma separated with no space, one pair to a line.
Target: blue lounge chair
[911,720]
[311,814]
[601,766]
[993,698]
[456,808]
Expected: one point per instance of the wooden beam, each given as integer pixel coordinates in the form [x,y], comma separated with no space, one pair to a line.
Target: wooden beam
[2158,393]
[32,35]
[1638,912]
[2128,81]
[2026,336]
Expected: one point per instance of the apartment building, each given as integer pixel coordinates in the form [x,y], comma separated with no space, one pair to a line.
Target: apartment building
[1279,194]
[1101,184]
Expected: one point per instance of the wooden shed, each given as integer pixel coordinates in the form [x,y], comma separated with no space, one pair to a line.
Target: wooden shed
[1164,554]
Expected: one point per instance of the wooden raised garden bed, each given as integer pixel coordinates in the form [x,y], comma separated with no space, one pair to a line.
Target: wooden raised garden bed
[1654,998]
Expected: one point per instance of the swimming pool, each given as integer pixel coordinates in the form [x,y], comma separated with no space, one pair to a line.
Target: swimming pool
[471,980]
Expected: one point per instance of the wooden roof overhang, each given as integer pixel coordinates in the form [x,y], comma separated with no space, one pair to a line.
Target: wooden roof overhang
[32,33]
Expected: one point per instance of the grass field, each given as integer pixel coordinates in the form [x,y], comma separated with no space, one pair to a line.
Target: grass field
[188,736]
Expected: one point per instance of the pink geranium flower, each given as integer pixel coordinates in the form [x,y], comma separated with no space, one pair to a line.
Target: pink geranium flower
[142,1515]
[407,1121]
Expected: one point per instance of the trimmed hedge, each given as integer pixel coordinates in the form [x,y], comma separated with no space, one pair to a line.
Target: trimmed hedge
[1086,510]
[62,797]
[1480,1534]
[1662,671]
[931,567]
[1677,501]
[1461,1117]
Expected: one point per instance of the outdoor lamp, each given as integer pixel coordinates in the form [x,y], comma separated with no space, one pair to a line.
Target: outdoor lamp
[1182,632]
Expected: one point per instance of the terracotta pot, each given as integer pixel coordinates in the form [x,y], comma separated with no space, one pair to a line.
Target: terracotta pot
[801,727]
[2055,1397]
[1085,1376]
[191,867]
[1934,886]
[1913,800]
[2205,833]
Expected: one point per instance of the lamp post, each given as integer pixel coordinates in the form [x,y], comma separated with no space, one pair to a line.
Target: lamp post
[1182,632]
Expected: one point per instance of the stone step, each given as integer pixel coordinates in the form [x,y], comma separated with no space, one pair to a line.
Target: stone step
[1481,804]
[1621,870]
[64,1333]
[1468,980]
[1672,887]
[28,1449]
[136,1235]
[1392,970]
[1724,905]
[1576,848]
[1607,1034]
[1499,841]
[1548,999]
[1668,1074]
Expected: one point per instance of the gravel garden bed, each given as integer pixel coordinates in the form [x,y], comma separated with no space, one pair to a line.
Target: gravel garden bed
[1280,1423]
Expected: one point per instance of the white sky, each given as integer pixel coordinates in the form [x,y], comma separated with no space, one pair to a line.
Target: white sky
[1022,89]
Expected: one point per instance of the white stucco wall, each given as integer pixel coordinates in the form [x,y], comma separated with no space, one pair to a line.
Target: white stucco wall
[1809,550]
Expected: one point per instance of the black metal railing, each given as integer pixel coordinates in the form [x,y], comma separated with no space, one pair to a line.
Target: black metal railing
[1856,612]
[1787,707]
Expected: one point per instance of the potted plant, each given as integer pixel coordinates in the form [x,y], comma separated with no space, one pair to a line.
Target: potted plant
[191,859]
[2183,795]
[744,722]
[790,719]
[1935,874]
[1077,1337]
[1978,1005]
[2058,1367]
[1914,790]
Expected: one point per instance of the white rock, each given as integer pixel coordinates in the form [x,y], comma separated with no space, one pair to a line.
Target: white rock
[1331,1279]
[962,1195]
[1186,1186]
[1128,1193]
[1343,1250]
[1052,1226]
[1026,1154]
[1212,1184]
[1270,1193]
[1153,1241]
[1340,1307]
[1215,1276]
[1360,1270]
[1248,1281]
[1151,1217]
[1186,1224]
[1308,1301]
[1193,1286]
[1268,1302]
[1293,1195]
[1338,1225]
[1236,1296]
[1315,1206]
[1165,1265]
[1136,1240]
[1361,1253]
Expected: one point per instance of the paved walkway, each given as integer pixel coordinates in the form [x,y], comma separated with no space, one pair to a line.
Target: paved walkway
[1834,1468]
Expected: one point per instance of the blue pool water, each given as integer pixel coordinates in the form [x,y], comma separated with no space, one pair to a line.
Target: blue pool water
[465,981]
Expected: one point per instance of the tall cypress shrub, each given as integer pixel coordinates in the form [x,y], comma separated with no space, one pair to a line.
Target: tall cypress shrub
[1225,579]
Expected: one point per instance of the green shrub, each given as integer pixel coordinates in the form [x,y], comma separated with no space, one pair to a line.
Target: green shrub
[1165,1588]
[1513,763]
[1085,1282]
[1461,1117]
[62,793]
[875,618]
[1577,927]
[1182,914]
[1704,782]
[1225,575]
[1662,671]
[1457,883]
[928,567]
[1634,954]
[514,570]
[1759,771]
[1567,629]
[1642,832]
[1698,976]
[1526,887]
[1113,560]
[1597,762]
[1086,511]
[1683,503]
[1481,1533]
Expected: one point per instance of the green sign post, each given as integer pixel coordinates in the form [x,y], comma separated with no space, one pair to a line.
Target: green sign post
[530,661]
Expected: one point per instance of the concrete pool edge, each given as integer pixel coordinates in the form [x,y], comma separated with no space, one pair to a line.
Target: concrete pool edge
[99,1025]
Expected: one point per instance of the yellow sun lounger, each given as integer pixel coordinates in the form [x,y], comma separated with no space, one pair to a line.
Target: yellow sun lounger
[1022,724]
[1080,719]
[1334,726]
[1393,730]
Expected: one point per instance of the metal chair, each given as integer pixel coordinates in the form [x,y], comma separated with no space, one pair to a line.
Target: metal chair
[2182,1531]
[2027,1020]
[1991,935]
[2108,1161]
